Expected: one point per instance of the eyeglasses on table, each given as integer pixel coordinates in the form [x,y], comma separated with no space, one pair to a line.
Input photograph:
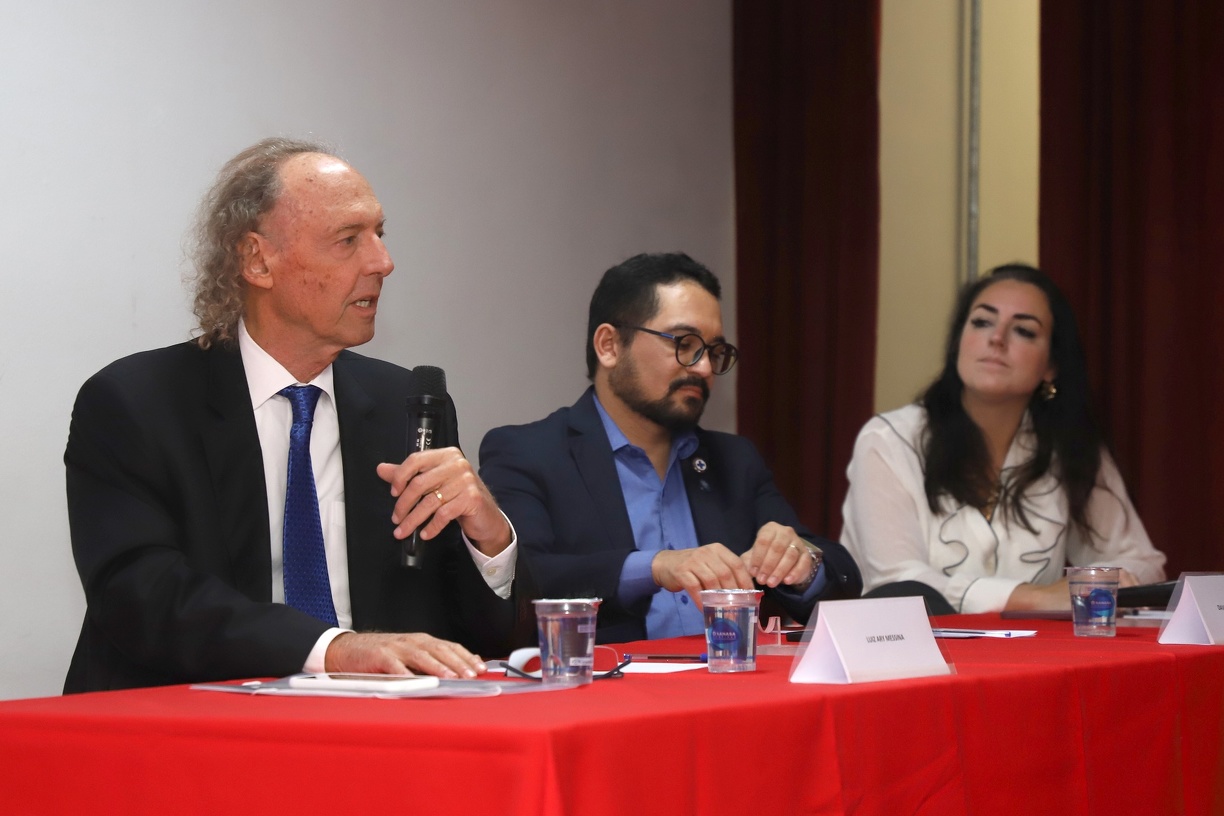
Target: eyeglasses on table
[608,666]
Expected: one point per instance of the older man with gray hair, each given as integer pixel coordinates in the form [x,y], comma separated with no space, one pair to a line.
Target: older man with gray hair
[238,502]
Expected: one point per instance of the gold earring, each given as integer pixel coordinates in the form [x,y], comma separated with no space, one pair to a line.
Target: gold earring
[1047,390]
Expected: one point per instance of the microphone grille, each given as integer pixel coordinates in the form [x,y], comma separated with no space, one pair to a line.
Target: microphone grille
[427,381]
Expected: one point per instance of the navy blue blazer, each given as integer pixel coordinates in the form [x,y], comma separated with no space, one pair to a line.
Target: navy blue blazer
[557,481]
[168,513]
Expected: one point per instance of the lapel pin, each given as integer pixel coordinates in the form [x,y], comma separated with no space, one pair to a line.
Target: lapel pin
[699,465]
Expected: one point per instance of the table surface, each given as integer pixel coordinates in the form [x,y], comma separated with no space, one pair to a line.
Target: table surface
[1032,725]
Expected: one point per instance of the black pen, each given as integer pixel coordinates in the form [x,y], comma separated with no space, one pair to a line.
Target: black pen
[698,658]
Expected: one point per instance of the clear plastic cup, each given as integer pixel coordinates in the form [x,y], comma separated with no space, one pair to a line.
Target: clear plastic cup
[567,639]
[1094,600]
[731,628]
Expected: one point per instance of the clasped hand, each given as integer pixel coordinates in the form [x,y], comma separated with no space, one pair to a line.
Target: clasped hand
[778,556]
[443,484]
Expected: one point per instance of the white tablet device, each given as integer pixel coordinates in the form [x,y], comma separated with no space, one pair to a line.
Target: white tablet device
[334,681]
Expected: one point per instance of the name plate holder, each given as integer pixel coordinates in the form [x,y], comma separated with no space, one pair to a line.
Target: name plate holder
[1198,611]
[869,639]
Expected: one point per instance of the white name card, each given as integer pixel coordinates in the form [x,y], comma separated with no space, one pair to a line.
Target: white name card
[869,639]
[1199,613]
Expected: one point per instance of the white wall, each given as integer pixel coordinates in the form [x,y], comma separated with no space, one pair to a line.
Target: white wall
[519,148]
[922,155]
[1011,125]
[919,141]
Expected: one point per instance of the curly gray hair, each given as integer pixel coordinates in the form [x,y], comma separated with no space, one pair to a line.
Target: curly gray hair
[247,187]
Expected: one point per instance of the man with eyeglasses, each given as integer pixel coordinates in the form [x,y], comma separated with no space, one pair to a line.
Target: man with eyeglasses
[623,496]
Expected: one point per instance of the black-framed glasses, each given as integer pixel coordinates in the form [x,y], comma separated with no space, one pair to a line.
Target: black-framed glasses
[690,348]
[608,665]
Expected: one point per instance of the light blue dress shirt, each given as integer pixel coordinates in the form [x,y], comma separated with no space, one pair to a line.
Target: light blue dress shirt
[661,518]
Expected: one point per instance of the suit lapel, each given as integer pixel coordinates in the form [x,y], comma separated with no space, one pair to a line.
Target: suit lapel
[702,483]
[592,454]
[367,501]
[235,464]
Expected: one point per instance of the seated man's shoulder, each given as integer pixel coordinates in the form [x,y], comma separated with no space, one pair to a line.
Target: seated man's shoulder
[159,388]
[550,428]
[152,368]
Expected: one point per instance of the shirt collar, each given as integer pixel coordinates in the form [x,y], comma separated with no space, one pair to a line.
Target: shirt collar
[684,444]
[1023,447]
[266,377]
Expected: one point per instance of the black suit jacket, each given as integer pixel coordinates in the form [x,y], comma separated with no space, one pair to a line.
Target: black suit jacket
[168,513]
[556,479]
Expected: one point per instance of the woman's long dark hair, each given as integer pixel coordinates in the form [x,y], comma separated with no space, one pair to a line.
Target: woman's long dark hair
[957,462]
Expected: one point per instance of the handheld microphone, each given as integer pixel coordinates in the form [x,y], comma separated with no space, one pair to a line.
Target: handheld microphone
[426,406]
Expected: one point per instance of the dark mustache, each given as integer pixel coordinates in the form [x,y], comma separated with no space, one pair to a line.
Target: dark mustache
[697,381]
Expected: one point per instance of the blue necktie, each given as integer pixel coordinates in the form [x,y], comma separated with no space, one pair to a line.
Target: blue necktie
[306,584]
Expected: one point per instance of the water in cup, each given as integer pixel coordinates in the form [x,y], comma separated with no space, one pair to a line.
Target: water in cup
[1094,600]
[731,628]
[567,639]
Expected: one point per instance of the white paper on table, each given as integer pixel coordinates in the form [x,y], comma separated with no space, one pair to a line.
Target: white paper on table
[660,667]
[445,688]
[977,633]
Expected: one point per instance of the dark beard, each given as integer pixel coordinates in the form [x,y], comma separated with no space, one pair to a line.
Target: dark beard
[663,412]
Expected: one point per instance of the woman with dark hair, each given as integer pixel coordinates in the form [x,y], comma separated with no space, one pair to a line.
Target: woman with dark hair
[997,478]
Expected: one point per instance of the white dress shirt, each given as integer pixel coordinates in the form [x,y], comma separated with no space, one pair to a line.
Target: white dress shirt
[273,419]
[893,535]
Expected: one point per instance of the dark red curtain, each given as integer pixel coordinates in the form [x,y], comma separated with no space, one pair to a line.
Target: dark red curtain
[1132,227]
[807,218]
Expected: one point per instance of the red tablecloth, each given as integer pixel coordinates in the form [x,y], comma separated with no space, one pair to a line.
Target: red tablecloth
[1040,725]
